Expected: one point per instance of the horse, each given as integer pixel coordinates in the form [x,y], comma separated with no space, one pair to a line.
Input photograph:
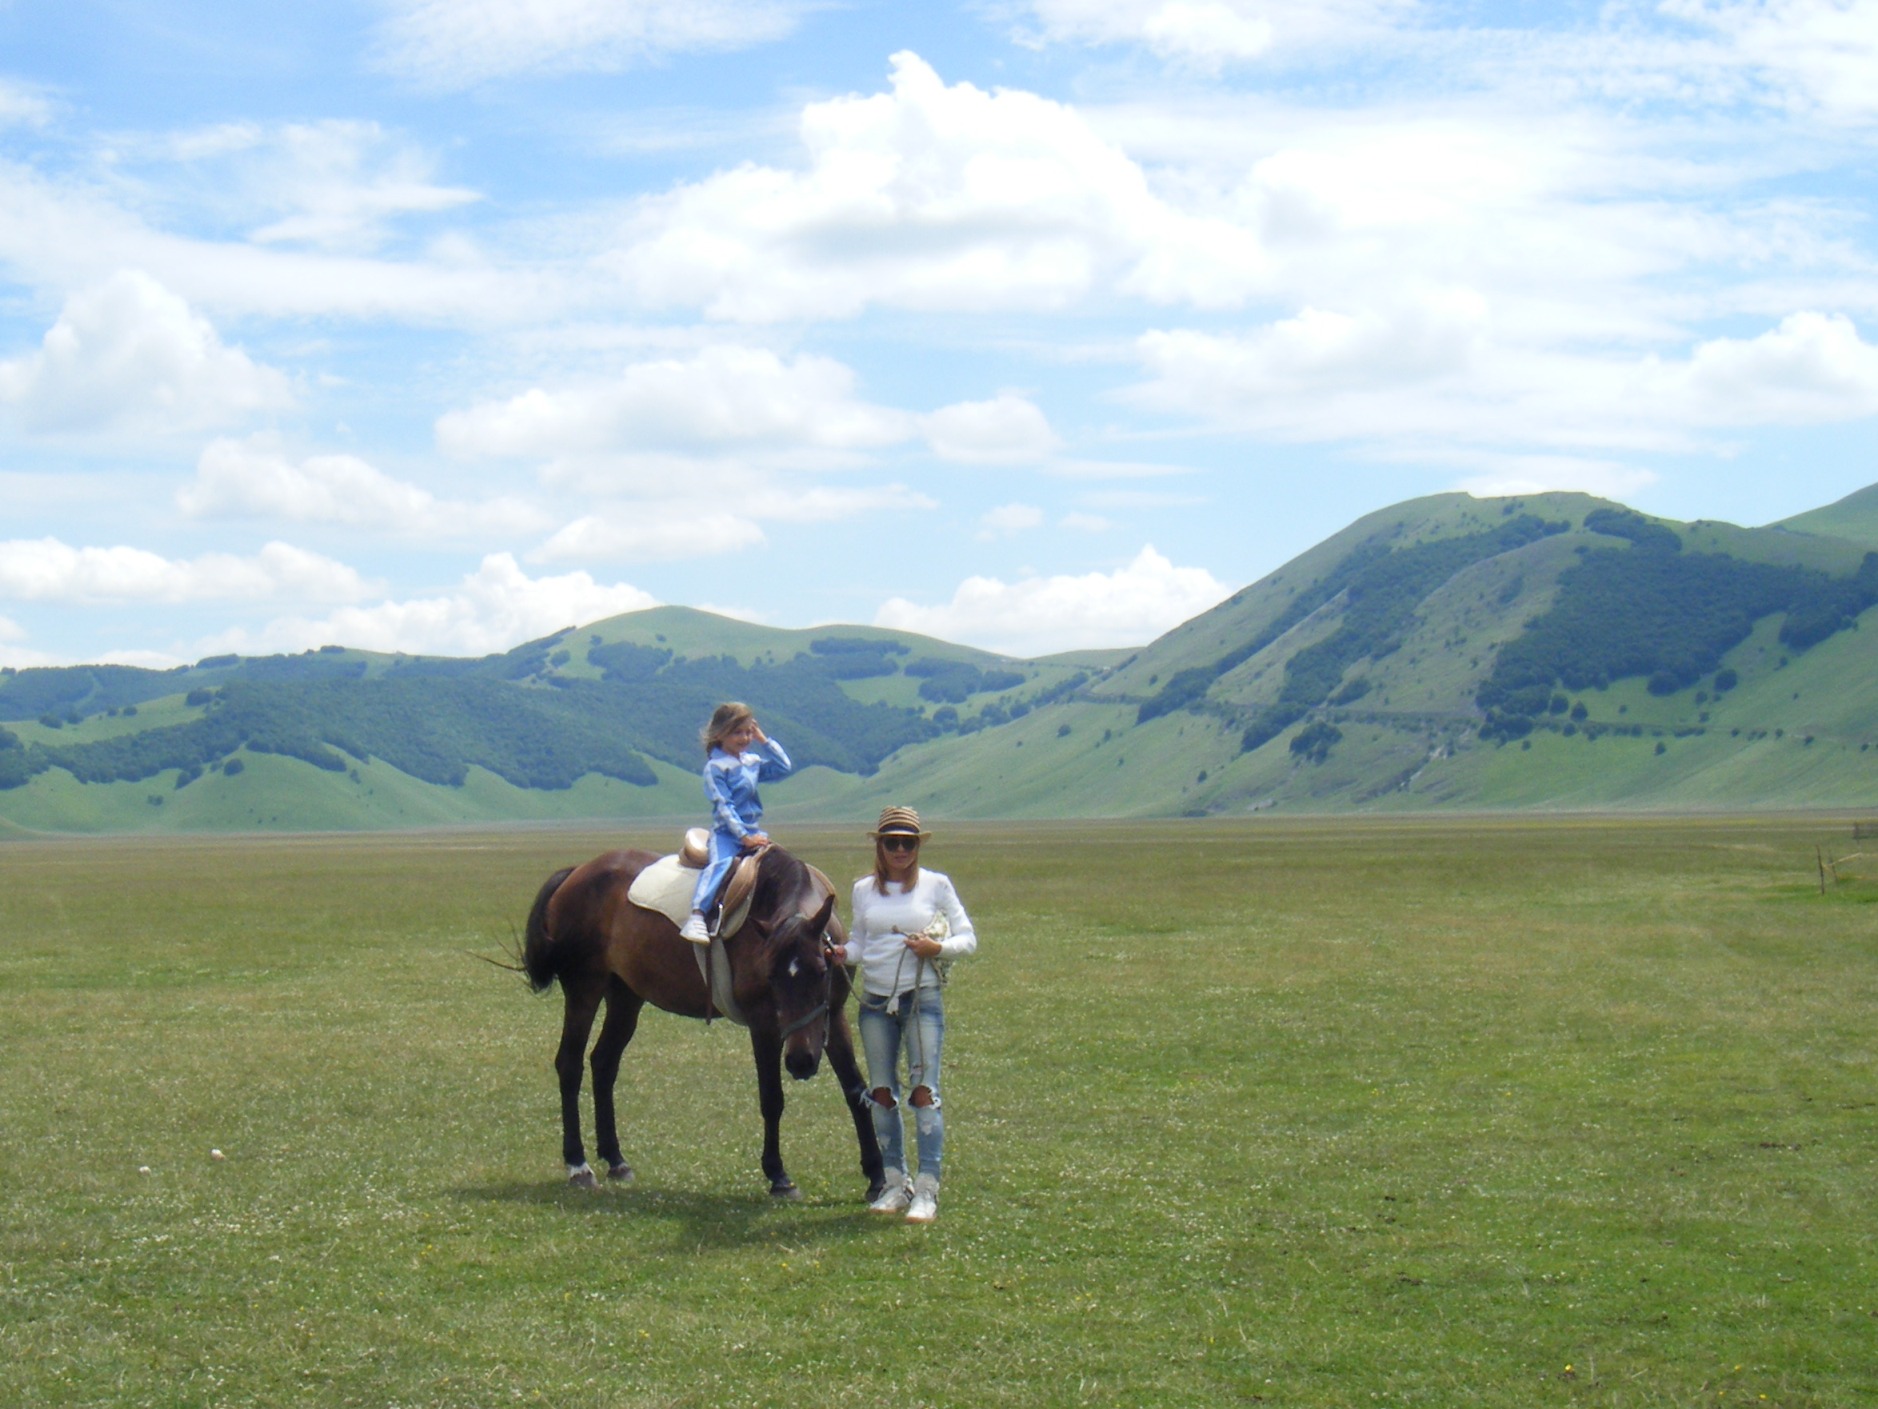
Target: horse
[583,932]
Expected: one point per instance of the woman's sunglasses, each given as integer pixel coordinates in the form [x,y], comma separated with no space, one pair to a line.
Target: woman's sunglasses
[900,843]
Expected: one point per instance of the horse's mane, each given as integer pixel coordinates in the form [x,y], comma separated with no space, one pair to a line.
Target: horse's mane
[782,882]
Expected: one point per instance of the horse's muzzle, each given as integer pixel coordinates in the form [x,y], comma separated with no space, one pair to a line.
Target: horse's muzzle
[802,1065]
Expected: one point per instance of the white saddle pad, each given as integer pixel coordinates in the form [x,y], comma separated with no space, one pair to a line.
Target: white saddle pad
[666,887]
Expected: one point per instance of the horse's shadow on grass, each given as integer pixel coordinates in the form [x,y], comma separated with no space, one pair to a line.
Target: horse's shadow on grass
[695,1219]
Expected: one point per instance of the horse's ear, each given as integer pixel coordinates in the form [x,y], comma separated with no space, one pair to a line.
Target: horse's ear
[818,922]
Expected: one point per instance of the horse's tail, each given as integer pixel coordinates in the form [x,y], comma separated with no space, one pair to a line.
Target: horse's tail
[538,956]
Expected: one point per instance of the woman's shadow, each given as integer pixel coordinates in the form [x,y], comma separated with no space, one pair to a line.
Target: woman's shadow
[693,1219]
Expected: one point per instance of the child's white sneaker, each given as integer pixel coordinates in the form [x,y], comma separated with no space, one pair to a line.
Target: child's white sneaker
[694,929]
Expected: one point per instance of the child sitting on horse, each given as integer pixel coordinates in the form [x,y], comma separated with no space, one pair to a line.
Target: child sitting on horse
[738,756]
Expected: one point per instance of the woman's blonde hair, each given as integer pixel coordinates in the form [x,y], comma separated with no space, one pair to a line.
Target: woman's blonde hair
[724,722]
[880,868]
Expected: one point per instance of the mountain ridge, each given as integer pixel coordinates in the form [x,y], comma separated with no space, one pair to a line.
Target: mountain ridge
[1546,650]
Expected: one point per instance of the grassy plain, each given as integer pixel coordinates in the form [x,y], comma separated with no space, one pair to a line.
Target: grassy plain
[1442,1112]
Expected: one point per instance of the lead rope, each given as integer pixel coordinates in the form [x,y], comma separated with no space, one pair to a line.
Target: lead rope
[938,928]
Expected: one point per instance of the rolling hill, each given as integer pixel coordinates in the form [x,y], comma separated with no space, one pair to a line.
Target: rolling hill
[1554,651]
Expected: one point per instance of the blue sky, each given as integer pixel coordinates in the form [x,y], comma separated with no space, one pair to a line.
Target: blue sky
[1034,324]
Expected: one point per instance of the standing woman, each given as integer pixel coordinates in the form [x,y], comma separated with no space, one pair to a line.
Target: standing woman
[908,924]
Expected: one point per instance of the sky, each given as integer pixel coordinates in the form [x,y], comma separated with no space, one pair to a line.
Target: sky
[440,325]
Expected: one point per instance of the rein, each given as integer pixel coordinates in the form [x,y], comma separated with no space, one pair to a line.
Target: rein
[820,1010]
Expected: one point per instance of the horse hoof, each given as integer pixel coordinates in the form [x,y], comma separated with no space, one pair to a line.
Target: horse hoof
[582,1178]
[785,1189]
[622,1172]
[875,1190]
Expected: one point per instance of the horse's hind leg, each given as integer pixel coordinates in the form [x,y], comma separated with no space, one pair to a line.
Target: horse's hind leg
[582,1001]
[622,1020]
[840,1052]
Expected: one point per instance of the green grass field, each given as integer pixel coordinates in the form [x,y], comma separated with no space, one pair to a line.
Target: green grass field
[1298,1113]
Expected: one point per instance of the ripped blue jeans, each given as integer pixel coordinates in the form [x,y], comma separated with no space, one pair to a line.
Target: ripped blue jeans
[918,1029]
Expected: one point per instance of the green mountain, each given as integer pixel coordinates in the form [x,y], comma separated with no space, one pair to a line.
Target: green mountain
[1553,650]
[591,722]
[1854,518]
[1550,651]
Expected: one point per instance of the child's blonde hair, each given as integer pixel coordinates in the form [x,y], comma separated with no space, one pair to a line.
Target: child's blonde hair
[724,721]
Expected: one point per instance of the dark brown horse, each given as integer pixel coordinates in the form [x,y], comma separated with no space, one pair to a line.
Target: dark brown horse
[584,932]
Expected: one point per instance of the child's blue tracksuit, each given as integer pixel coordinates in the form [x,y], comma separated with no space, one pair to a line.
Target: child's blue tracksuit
[730,784]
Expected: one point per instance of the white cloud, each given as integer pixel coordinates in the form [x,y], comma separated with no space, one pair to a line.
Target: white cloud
[1042,615]
[492,609]
[1814,55]
[789,503]
[729,416]
[1810,57]
[683,526]
[253,478]
[1008,520]
[47,570]
[61,234]
[1321,350]
[131,355]
[458,43]
[1209,34]
[21,107]
[335,184]
[724,398]
[652,533]
[1501,476]
[22,657]
[1007,429]
[1812,369]
[949,199]
[1317,379]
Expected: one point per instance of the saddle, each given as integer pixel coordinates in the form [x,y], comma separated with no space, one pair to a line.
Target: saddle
[666,887]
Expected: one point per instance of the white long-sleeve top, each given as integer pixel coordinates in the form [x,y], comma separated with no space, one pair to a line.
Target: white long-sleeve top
[877,934]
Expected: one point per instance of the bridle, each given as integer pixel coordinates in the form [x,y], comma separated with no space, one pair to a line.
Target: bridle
[820,1010]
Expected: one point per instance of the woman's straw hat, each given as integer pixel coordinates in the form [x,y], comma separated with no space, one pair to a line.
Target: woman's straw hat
[898,820]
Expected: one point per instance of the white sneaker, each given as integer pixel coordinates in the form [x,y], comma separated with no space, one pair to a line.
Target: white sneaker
[925,1200]
[895,1197]
[694,929]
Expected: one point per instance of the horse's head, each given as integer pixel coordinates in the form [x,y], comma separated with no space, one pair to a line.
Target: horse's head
[801,985]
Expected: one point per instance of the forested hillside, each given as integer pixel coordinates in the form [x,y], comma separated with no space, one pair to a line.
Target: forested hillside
[1550,650]
[607,701]
[1655,612]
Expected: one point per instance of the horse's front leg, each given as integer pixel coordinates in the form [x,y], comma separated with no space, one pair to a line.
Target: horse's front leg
[839,1050]
[767,1049]
[581,1003]
[622,1020]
